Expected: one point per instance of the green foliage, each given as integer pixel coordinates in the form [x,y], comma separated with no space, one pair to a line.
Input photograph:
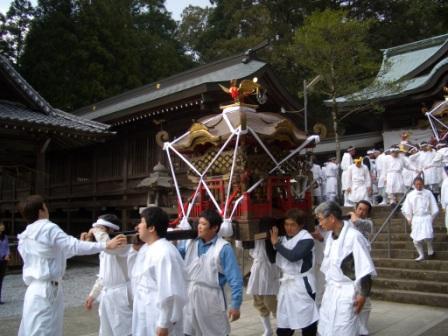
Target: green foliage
[14,27]
[401,21]
[81,51]
[332,45]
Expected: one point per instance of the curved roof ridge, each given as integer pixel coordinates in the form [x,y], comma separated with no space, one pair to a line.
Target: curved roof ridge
[412,46]
[40,103]
[169,81]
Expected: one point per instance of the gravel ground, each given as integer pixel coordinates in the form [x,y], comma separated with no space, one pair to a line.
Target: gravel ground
[78,281]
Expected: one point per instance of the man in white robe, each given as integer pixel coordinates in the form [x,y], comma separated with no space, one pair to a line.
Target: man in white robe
[431,173]
[359,185]
[318,178]
[440,161]
[160,292]
[210,264]
[264,280]
[379,160]
[409,175]
[348,269]
[370,162]
[44,249]
[393,177]
[420,208]
[361,222]
[346,162]
[444,199]
[112,287]
[331,180]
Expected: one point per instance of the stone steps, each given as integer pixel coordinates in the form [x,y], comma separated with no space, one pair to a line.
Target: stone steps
[401,274]
[406,254]
[408,245]
[412,285]
[438,237]
[408,296]
[432,265]
[400,278]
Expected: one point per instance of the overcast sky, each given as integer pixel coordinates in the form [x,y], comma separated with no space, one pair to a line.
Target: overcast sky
[174,6]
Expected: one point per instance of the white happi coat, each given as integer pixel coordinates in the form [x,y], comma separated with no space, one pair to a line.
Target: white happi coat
[393,168]
[160,289]
[113,289]
[296,309]
[420,208]
[346,162]
[264,275]
[45,248]
[358,179]
[379,161]
[337,312]
[444,199]
[206,297]
[318,177]
[408,175]
[331,178]
[432,175]
[441,160]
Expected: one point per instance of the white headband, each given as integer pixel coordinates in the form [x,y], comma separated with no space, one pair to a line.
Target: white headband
[102,222]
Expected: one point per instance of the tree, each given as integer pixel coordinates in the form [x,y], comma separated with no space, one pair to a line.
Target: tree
[47,60]
[15,26]
[400,21]
[332,45]
[194,23]
[81,51]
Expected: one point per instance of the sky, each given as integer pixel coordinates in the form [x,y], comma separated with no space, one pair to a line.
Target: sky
[174,6]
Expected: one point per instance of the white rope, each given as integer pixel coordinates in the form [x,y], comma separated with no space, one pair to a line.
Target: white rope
[262,145]
[229,124]
[187,133]
[298,149]
[179,197]
[229,187]
[436,134]
[185,160]
[211,196]
[218,154]
[196,193]
[440,122]
[237,132]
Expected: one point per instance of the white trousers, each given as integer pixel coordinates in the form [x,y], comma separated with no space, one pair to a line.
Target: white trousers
[43,310]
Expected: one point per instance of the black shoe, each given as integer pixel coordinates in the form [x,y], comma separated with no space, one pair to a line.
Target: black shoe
[431,256]
[1,302]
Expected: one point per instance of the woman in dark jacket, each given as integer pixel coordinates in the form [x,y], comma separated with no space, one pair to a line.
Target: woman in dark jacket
[4,256]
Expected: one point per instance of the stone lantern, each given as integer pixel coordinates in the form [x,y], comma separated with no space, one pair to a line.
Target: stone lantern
[159,184]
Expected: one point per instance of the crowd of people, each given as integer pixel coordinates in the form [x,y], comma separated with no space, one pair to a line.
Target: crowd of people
[316,280]
[382,177]
[313,278]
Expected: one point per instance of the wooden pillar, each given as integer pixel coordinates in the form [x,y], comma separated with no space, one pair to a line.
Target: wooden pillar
[124,220]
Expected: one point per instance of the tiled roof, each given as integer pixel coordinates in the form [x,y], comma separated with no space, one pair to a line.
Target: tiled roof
[217,72]
[13,112]
[406,69]
[37,110]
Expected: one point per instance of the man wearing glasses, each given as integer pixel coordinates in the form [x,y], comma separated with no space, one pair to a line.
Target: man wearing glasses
[347,265]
